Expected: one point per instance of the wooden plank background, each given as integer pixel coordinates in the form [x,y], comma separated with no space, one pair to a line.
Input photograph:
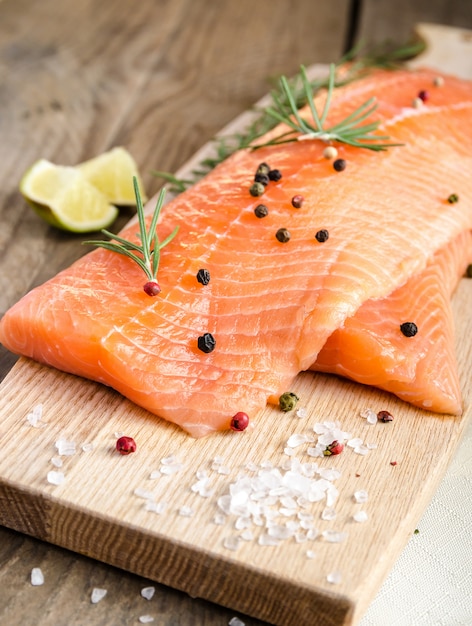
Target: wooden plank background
[161,78]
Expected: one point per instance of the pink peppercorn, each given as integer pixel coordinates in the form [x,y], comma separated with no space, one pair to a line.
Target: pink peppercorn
[333,448]
[239,422]
[126,445]
[152,288]
[423,95]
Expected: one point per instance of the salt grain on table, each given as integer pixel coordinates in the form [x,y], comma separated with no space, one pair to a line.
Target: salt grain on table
[37,577]
[97,595]
[235,621]
[148,592]
[146,619]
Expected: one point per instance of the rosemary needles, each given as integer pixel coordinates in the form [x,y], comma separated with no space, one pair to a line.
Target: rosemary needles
[146,255]
[351,130]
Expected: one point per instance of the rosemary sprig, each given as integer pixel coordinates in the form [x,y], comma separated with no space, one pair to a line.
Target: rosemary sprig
[350,130]
[361,59]
[146,255]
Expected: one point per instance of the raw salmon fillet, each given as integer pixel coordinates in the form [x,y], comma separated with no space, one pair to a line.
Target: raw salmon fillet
[270,306]
[370,350]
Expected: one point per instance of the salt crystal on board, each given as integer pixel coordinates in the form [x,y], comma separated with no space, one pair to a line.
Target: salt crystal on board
[296,440]
[247,535]
[301,413]
[154,474]
[235,621]
[333,536]
[37,577]
[56,461]
[186,511]
[328,514]
[55,478]
[65,447]
[361,496]
[231,543]
[97,595]
[267,540]
[145,619]
[360,516]
[219,519]
[155,507]
[87,447]
[310,554]
[35,417]
[361,449]
[148,592]
[334,578]
[142,493]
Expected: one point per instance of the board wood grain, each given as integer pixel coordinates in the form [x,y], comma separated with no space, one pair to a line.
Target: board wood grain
[96,510]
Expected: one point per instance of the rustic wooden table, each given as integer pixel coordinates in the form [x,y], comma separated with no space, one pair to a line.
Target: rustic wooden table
[160,78]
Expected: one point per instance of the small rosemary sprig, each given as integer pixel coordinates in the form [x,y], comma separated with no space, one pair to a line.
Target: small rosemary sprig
[360,60]
[146,255]
[350,130]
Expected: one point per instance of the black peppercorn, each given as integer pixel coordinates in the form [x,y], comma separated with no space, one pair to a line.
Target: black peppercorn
[322,235]
[262,178]
[203,276]
[261,210]
[206,343]
[275,175]
[409,329]
[339,165]
[263,169]
[283,235]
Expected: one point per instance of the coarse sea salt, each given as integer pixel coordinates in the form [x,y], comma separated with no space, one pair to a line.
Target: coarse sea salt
[37,577]
[360,516]
[186,511]
[334,577]
[231,543]
[334,536]
[156,507]
[97,595]
[361,496]
[34,418]
[235,621]
[145,619]
[65,447]
[55,478]
[148,592]
[143,493]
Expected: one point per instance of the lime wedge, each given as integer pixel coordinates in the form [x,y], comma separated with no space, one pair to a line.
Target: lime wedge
[63,197]
[112,173]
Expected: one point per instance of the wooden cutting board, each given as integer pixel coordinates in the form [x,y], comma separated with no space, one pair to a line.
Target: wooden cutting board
[127,511]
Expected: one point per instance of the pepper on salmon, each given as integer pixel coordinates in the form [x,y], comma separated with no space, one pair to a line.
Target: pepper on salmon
[270,306]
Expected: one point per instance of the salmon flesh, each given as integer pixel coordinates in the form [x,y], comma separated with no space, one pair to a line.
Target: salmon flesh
[277,308]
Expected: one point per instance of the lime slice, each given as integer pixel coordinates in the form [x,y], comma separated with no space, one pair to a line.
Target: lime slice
[112,173]
[63,197]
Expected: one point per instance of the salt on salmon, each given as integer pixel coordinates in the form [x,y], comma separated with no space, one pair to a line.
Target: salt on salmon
[369,349]
[270,306]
